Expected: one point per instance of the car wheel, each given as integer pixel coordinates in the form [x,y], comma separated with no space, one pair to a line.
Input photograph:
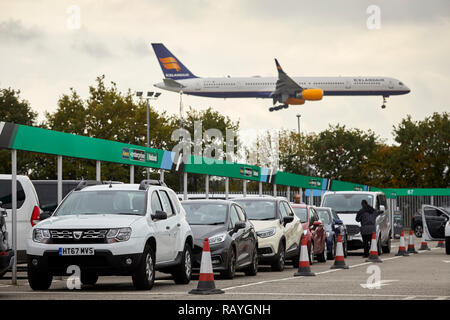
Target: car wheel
[88,278]
[332,254]
[345,247]
[144,276]
[231,268]
[3,273]
[39,280]
[418,230]
[183,272]
[279,264]
[379,245]
[447,245]
[252,269]
[387,247]
[311,253]
[296,258]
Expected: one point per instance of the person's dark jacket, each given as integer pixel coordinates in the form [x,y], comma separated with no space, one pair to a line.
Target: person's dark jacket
[367,217]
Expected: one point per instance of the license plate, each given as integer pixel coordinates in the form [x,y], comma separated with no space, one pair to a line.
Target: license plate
[76,251]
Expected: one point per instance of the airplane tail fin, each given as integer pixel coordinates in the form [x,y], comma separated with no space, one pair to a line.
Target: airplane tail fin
[172,68]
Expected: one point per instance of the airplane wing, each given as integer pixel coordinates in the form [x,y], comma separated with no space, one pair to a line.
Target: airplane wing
[285,85]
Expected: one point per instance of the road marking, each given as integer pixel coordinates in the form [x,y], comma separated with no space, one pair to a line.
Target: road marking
[446,261]
[441,298]
[4,285]
[377,284]
[409,298]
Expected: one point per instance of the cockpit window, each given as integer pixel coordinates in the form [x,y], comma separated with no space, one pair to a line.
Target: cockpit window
[400,83]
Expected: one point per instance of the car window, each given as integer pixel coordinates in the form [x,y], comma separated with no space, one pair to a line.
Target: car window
[283,212]
[175,201]
[241,213]
[288,209]
[6,196]
[432,212]
[259,209]
[313,215]
[166,203]
[156,203]
[205,213]
[234,217]
[301,214]
[324,216]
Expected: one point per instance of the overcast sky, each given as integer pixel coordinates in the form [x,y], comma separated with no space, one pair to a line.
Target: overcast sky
[41,55]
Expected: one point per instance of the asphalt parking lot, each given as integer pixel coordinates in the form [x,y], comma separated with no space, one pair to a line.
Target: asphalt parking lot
[423,276]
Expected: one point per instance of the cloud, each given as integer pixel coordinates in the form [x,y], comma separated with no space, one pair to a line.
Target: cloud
[14,31]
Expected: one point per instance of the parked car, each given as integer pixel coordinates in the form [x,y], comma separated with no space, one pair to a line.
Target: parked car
[333,226]
[416,224]
[308,215]
[6,254]
[232,238]
[347,203]
[279,230]
[113,229]
[28,210]
[436,224]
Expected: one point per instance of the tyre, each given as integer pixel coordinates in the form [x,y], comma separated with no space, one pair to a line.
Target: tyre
[3,273]
[418,230]
[296,258]
[279,264]
[311,253]
[183,272]
[331,255]
[88,278]
[447,245]
[39,280]
[144,276]
[231,268]
[387,247]
[379,245]
[345,248]
[252,269]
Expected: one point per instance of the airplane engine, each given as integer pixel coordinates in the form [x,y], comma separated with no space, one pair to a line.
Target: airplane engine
[294,101]
[310,94]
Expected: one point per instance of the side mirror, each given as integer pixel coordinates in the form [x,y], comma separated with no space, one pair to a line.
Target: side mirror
[49,208]
[239,225]
[159,215]
[338,221]
[45,215]
[382,209]
[287,220]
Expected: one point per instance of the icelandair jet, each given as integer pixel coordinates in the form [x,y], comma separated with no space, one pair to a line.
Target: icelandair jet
[284,89]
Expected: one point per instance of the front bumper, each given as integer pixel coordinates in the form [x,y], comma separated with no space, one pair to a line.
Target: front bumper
[103,262]
[355,242]
[219,257]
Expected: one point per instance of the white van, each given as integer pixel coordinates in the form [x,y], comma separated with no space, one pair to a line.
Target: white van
[28,210]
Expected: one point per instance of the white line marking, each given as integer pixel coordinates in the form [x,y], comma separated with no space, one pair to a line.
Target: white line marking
[409,298]
[4,285]
[441,298]
[446,261]
[377,284]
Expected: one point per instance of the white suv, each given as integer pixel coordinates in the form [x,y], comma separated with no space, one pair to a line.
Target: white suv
[115,229]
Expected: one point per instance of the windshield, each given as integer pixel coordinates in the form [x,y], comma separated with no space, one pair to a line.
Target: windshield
[301,214]
[205,213]
[324,215]
[258,209]
[346,203]
[103,202]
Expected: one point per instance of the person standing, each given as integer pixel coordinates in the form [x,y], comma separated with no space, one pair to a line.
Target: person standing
[297,198]
[367,216]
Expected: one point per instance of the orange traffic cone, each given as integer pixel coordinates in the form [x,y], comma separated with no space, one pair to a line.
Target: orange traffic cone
[303,264]
[339,262]
[424,244]
[411,248]
[206,279]
[402,248]
[373,255]
[440,244]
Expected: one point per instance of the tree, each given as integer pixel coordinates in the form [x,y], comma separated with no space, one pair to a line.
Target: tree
[295,152]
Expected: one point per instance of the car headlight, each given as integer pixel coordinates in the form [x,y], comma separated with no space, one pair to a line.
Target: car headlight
[266,233]
[217,238]
[118,235]
[41,235]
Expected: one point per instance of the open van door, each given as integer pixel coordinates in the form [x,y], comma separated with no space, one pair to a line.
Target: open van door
[434,221]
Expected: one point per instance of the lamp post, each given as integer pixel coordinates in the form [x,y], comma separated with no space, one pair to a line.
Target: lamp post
[298,118]
[150,96]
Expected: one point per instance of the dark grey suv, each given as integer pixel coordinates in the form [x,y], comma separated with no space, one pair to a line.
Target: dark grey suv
[6,254]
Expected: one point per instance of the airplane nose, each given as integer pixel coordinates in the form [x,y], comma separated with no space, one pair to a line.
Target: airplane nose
[408,90]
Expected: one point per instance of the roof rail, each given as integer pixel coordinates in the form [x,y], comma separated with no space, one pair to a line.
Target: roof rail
[146,183]
[86,183]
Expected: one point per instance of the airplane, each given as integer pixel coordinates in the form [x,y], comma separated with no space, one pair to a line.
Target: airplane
[282,89]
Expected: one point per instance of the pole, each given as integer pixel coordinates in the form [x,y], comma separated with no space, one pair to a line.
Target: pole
[14,213]
[161,175]
[244,187]
[227,187]
[98,169]
[311,197]
[207,186]
[260,189]
[132,174]
[148,135]
[289,193]
[300,192]
[185,197]
[298,118]
[274,190]
[59,179]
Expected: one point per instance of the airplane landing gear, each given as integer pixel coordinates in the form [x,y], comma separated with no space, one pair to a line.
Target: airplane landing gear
[276,108]
[383,106]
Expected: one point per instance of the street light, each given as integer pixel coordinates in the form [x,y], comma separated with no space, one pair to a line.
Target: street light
[298,117]
[150,96]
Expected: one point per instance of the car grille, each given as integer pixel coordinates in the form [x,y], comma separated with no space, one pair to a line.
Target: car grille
[352,229]
[68,236]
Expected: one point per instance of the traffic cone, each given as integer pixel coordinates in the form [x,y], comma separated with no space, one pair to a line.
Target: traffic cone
[206,279]
[402,248]
[411,248]
[303,264]
[373,255]
[339,262]
[424,244]
[440,244]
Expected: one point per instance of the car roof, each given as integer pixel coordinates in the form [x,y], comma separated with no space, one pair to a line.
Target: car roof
[121,186]
[264,198]
[206,201]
